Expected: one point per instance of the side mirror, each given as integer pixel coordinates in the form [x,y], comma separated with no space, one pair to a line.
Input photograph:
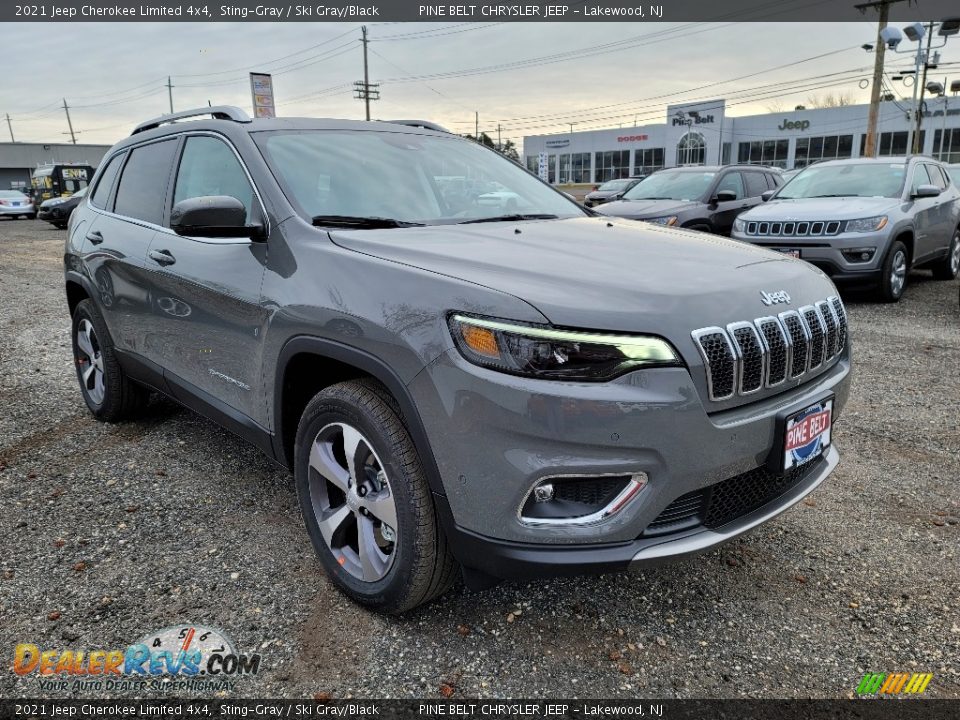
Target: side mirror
[726,196]
[926,191]
[215,216]
[767,195]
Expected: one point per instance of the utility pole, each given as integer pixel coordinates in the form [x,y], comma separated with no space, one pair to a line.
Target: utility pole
[915,149]
[10,127]
[499,143]
[363,89]
[476,125]
[870,144]
[170,93]
[66,109]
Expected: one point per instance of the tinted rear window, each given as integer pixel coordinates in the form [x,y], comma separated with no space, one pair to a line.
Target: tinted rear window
[143,184]
[756,184]
[105,184]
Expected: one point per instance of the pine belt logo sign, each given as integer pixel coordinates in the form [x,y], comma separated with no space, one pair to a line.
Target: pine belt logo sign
[893,684]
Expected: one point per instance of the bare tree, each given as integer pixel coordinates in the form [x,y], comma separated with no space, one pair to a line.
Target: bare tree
[775,106]
[830,100]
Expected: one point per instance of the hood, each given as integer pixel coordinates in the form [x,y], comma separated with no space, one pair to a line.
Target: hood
[638,209]
[600,194]
[848,208]
[597,273]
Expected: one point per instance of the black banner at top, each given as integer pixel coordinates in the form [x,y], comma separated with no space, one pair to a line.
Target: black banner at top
[504,11]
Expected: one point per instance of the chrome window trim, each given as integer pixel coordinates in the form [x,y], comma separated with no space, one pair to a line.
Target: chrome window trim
[169,231]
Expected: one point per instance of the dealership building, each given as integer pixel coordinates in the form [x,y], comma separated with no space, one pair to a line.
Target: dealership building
[18,160]
[703,134]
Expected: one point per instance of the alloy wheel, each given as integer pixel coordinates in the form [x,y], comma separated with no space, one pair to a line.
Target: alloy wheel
[898,273]
[90,361]
[352,502]
[955,254]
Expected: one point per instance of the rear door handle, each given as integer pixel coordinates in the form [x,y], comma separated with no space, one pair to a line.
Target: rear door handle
[96,237]
[162,257]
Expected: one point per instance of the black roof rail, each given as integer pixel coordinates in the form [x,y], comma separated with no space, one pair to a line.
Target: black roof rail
[219,112]
[424,124]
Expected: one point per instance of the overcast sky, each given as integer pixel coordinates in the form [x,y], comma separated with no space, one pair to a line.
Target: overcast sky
[113,75]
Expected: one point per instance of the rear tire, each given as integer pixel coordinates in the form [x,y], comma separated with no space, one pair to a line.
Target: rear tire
[949,267]
[348,505]
[893,274]
[107,391]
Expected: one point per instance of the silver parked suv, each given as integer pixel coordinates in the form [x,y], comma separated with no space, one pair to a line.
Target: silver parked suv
[514,394]
[864,221]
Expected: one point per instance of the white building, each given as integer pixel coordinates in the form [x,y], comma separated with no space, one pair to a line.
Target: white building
[703,134]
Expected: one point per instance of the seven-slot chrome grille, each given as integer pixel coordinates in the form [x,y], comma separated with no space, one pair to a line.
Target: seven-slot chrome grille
[814,228]
[745,357]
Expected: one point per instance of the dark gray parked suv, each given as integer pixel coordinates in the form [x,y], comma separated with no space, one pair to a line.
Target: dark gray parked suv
[537,393]
[699,198]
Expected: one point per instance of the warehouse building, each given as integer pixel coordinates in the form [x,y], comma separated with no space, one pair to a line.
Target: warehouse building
[18,160]
[703,134]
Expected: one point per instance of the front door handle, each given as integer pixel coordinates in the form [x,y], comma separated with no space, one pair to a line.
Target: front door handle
[162,257]
[96,237]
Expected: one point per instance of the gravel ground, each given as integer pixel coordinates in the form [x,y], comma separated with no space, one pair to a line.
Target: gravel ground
[109,532]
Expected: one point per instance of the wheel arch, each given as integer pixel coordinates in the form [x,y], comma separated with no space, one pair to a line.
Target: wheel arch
[308,364]
[78,289]
[905,236]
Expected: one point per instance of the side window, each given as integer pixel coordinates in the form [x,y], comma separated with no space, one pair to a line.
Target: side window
[143,184]
[731,181]
[920,177]
[102,193]
[756,184]
[936,177]
[774,180]
[209,167]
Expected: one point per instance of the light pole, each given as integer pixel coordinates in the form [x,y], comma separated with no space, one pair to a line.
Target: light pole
[892,37]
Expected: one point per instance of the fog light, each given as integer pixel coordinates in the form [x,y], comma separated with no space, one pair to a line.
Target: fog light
[543,493]
[859,254]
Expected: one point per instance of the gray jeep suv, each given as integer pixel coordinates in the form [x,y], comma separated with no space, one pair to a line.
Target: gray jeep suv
[864,221]
[513,395]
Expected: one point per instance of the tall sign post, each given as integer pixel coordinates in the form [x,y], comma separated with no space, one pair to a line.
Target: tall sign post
[261,89]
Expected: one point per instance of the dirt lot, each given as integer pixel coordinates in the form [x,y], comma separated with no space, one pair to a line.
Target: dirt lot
[110,532]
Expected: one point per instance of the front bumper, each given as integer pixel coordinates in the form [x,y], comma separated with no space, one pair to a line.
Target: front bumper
[523,561]
[494,436]
[826,252]
[52,215]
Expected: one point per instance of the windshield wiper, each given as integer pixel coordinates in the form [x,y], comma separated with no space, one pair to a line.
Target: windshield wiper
[653,198]
[361,223]
[835,195]
[512,216]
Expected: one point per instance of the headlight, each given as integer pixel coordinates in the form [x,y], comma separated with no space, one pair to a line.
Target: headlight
[55,201]
[871,224]
[665,220]
[739,225]
[550,353]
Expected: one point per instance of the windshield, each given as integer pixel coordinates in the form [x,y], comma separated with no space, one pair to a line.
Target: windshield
[614,185]
[672,185]
[849,180]
[404,177]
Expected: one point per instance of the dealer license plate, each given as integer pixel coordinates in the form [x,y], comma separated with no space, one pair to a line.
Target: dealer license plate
[807,434]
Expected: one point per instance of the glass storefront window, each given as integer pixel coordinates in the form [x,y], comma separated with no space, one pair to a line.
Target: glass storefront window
[580,167]
[949,151]
[772,153]
[647,161]
[813,149]
[612,165]
[892,143]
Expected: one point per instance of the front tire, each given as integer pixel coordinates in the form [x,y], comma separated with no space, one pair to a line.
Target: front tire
[949,267]
[366,502]
[893,277]
[107,391]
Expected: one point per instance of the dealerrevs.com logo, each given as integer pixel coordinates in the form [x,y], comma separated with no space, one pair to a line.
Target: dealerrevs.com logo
[189,657]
